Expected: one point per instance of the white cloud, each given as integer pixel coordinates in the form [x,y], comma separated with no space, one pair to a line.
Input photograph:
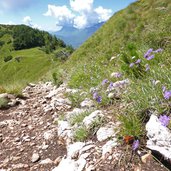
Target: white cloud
[63,15]
[81,6]
[28,21]
[36,26]
[81,15]
[80,22]
[103,14]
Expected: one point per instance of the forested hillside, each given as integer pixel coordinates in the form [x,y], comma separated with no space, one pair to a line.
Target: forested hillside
[27,54]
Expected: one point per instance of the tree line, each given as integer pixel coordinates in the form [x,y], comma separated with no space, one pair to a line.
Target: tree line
[25,37]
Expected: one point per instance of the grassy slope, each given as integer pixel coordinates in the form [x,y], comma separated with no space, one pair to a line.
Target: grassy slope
[146,24]
[131,32]
[33,65]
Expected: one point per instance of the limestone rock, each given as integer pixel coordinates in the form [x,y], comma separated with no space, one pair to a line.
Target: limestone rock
[87,103]
[159,137]
[35,157]
[88,120]
[73,149]
[107,148]
[49,134]
[46,161]
[105,132]
[71,165]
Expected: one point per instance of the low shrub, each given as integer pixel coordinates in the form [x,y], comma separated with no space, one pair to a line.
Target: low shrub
[8,58]
[3,103]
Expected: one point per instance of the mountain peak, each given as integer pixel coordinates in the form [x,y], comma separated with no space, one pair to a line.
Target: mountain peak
[75,37]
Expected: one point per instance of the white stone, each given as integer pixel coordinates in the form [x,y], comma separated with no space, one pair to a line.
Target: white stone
[88,120]
[159,137]
[107,148]
[86,148]
[65,131]
[87,103]
[105,132]
[62,126]
[71,165]
[72,149]
[51,94]
[49,134]
[46,161]
[111,95]
[47,108]
[35,157]
[112,58]
[31,84]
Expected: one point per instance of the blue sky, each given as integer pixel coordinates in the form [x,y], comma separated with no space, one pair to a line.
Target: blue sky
[51,15]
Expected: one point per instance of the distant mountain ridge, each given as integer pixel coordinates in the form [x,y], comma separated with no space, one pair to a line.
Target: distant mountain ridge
[76,37]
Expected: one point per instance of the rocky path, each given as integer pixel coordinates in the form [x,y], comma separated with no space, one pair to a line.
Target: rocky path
[28,136]
[33,137]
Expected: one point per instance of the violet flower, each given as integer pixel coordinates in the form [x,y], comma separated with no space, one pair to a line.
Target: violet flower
[167,94]
[164,119]
[158,50]
[138,61]
[99,99]
[135,145]
[105,81]
[117,75]
[148,53]
[95,95]
[150,57]
[131,65]
[111,85]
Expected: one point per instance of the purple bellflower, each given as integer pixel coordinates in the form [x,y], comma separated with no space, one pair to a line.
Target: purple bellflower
[167,94]
[148,53]
[97,97]
[105,81]
[117,75]
[165,120]
[131,65]
[158,50]
[150,57]
[135,145]
[138,61]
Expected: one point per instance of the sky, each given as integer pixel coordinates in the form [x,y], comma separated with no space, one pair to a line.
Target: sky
[52,15]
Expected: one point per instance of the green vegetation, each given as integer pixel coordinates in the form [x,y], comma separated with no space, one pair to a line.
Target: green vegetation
[76,98]
[3,103]
[28,55]
[127,36]
[90,64]
[77,119]
[81,134]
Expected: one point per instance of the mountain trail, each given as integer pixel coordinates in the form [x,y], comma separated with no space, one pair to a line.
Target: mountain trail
[34,138]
